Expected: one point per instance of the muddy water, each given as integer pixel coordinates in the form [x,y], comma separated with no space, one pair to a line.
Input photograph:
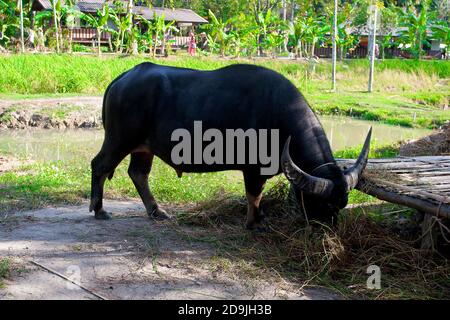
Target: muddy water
[47,145]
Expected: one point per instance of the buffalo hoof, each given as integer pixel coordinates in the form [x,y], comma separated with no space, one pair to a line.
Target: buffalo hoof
[103,215]
[257,228]
[159,214]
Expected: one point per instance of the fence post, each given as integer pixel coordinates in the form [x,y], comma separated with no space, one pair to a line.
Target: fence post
[334,53]
[22,40]
[372,50]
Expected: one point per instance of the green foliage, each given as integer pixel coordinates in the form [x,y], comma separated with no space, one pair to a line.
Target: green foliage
[5,268]
[415,23]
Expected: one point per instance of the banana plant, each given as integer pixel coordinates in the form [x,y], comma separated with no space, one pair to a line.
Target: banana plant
[9,23]
[147,36]
[241,37]
[161,28]
[122,22]
[297,31]
[414,32]
[441,31]
[61,11]
[384,43]
[315,31]
[99,22]
[219,32]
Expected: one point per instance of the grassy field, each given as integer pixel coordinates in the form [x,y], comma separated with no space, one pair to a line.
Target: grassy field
[42,183]
[408,93]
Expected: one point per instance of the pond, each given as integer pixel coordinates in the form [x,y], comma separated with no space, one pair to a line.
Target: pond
[47,145]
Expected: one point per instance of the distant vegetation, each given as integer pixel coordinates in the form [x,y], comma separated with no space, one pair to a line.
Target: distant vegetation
[236,27]
[407,92]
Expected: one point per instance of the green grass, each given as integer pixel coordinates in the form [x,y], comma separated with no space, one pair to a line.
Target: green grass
[5,268]
[68,182]
[379,107]
[408,93]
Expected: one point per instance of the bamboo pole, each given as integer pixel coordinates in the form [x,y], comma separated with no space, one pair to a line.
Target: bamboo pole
[441,210]
[334,48]
[22,40]
[56,25]
[373,45]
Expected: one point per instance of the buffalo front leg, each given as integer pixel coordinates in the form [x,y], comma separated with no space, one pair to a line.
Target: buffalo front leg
[254,185]
[103,166]
[139,170]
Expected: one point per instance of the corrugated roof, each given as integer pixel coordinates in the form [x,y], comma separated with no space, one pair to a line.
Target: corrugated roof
[90,5]
[46,5]
[178,15]
[365,31]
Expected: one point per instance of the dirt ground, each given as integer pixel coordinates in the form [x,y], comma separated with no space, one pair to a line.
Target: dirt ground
[57,113]
[129,257]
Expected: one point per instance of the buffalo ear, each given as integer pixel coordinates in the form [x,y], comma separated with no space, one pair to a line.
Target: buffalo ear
[307,183]
[353,174]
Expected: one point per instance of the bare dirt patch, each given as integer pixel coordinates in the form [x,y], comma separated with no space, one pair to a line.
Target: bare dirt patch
[57,113]
[130,257]
[9,163]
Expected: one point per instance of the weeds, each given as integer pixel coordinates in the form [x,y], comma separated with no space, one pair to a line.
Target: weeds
[315,254]
[5,269]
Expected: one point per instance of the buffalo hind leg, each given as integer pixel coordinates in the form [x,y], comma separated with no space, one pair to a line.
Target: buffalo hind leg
[139,170]
[103,166]
[254,185]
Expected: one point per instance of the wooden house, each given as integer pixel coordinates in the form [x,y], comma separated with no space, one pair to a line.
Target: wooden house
[84,34]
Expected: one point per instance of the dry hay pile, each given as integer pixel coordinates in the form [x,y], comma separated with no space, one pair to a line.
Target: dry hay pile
[433,145]
[318,255]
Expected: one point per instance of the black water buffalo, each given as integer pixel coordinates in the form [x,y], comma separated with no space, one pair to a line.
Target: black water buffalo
[145,105]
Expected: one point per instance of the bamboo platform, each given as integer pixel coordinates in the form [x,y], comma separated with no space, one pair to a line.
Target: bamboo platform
[421,183]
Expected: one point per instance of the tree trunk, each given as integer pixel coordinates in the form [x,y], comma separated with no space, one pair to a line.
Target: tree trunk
[420,46]
[163,45]
[99,34]
[292,10]
[56,27]
[300,49]
[333,58]
[429,233]
[122,38]
[372,52]
[22,40]
[155,45]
